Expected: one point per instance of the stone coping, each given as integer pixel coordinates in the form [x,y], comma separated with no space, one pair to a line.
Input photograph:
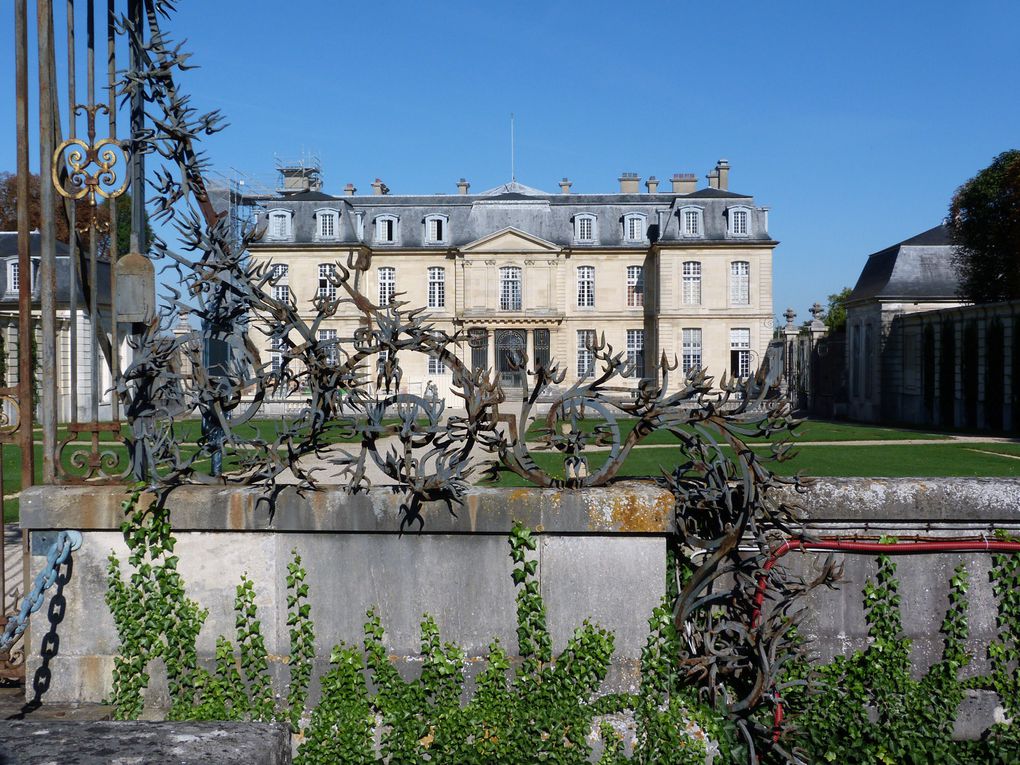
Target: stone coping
[629,507]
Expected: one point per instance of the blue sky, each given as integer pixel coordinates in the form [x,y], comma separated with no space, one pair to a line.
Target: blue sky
[853,122]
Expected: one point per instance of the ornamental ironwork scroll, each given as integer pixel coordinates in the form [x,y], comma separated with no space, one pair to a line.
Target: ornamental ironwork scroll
[87,168]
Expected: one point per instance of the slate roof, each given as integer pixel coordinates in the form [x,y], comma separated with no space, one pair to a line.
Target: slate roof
[9,252]
[918,268]
[513,205]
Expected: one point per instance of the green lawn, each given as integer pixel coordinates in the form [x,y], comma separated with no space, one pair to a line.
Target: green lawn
[812,430]
[892,460]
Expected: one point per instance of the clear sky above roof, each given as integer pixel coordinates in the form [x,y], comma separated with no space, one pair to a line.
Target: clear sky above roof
[853,122]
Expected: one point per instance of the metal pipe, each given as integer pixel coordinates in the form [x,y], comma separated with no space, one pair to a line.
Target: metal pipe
[25,408]
[47,244]
[72,239]
[111,63]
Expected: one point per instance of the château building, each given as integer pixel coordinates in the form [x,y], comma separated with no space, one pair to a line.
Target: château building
[681,271]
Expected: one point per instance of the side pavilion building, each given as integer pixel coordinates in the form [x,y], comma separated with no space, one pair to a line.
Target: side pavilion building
[686,271]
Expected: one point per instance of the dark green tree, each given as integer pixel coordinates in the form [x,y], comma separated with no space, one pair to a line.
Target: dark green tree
[984,223]
[835,314]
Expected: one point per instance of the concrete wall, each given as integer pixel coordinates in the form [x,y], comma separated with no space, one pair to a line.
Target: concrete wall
[601,552]
[602,555]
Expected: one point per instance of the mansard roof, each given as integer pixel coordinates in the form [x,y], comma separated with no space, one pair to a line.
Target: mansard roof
[513,205]
[918,268]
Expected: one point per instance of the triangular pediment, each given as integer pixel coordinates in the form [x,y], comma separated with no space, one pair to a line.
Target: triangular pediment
[510,240]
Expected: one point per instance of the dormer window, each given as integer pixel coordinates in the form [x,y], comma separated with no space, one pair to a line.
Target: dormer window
[584,228]
[691,222]
[634,228]
[386,229]
[739,221]
[326,225]
[436,229]
[279,226]
[13,273]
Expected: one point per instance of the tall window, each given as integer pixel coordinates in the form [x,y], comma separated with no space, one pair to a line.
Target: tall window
[739,222]
[14,276]
[435,229]
[437,287]
[279,225]
[740,282]
[586,286]
[436,365]
[690,221]
[276,354]
[327,224]
[584,228]
[387,285]
[386,229]
[636,351]
[328,337]
[281,291]
[692,282]
[634,228]
[510,288]
[585,356]
[635,286]
[855,360]
[327,289]
[691,350]
[740,352]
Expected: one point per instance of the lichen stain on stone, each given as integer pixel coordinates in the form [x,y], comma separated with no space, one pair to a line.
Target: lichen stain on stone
[235,511]
[635,513]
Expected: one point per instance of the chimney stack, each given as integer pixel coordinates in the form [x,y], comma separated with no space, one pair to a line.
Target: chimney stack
[684,183]
[379,188]
[719,178]
[463,186]
[565,185]
[652,184]
[629,183]
[722,168]
[349,190]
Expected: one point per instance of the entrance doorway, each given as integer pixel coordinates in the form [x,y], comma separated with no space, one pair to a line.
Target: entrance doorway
[508,341]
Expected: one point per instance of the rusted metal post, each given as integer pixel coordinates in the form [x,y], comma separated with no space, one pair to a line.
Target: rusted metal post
[72,239]
[112,255]
[47,247]
[25,418]
[138,238]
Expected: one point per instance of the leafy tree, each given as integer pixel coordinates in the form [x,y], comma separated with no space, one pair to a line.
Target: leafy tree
[984,222]
[9,213]
[835,315]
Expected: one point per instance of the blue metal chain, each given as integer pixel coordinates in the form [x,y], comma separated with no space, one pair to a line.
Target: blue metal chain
[58,554]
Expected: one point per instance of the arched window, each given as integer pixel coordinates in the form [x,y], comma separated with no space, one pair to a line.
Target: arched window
[739,221]
[692,222]
[584,228]
[327,225]
[437,229]
[691,283]
[634,228]
[387,285]
[437,287]
[510,288]
[279,225]
[386,229]
[635,286]
[586,286]
[740,282]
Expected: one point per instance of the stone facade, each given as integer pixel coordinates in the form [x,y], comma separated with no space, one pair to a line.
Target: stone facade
[687,272]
